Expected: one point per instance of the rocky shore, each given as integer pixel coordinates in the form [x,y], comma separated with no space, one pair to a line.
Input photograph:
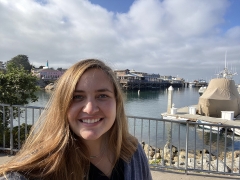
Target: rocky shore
[171,156]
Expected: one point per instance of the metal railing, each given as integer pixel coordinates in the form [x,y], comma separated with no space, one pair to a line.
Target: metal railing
[184,145]
[169,144]
[15,124]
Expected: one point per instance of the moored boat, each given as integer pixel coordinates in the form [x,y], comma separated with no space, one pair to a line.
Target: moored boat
[202,90]
[236,131]
[208,125]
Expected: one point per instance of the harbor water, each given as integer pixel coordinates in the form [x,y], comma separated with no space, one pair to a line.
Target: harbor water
[150,104]
[144,103]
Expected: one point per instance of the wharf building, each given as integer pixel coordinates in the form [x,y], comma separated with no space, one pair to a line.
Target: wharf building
[1,65]
[47,74]
[131,79]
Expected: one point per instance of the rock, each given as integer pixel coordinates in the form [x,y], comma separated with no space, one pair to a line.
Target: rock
[183,155]
[191,162]
[213,166]
[157,156]
[149,151]
[50,86]
[233,165]
[167,150]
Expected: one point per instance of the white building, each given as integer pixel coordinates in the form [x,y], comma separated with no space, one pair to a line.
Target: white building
[1,65]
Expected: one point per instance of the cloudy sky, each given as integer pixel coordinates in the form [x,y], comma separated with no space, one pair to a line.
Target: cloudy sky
[184,38]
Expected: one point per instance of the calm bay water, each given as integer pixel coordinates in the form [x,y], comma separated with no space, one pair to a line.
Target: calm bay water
[151,104]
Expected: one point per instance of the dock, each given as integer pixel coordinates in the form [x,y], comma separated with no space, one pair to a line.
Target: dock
[184,113]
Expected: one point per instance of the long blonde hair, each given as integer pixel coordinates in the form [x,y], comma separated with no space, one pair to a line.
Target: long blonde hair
[52,150]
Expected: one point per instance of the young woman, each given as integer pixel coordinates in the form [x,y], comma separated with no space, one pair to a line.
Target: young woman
[83,133]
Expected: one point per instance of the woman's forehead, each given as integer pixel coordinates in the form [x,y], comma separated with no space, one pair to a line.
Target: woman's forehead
[95,77]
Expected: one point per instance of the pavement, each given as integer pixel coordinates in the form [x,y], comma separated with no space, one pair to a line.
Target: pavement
[162,174]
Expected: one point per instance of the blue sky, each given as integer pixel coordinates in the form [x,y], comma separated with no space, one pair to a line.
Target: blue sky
[121,6]
[184,38]
[232,14]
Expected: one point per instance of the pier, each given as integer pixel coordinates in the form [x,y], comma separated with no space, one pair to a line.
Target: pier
[131,84]
[184,113]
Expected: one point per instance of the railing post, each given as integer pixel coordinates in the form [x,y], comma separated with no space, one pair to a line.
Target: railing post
[186,150]
[4,129]
[11,130]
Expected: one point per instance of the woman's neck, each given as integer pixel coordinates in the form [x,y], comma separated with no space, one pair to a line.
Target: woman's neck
[96,147]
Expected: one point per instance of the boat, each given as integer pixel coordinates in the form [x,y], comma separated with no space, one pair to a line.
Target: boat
[202,90]
[236,131]
[200,83]
[208,125]
[191,84]
[174,118]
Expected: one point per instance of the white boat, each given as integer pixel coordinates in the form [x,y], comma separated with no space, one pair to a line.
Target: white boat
[192,84]
[208,125]
[236,131]
[174,118]
[202,90]
[205,125]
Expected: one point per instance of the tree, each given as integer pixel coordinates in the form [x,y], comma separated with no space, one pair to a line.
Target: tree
[20,60]
[17,87]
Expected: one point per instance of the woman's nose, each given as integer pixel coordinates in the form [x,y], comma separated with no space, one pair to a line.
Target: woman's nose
[90,107]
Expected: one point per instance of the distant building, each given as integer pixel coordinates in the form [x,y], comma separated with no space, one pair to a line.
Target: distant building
[136,75]
[128,75]
[47,74]
[166,77]
[1,65]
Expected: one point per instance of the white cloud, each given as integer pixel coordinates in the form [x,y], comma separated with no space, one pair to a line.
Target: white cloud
[177,37]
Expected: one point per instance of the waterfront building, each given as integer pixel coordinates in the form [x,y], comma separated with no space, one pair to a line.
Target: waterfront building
[47,74]
[1,65]
[174,81]
[131,79]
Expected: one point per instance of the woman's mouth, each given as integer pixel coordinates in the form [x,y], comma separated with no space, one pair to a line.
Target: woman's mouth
[90,121]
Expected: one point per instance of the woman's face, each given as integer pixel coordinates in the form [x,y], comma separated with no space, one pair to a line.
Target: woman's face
[93,108]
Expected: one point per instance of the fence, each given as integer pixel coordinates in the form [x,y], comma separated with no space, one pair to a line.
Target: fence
[174,144]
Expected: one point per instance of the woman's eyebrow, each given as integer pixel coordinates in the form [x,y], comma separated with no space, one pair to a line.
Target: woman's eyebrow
[104,90]
[99,90]
[79,91]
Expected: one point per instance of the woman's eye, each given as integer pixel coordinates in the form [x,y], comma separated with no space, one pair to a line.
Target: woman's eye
[102,96]
[77,97]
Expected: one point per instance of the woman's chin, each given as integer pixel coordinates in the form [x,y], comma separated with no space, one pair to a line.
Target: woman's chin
[90,136]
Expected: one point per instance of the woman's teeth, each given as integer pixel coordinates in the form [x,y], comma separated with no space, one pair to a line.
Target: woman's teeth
[90,121]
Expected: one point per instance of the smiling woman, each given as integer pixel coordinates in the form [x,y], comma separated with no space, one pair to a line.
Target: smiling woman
[83,133]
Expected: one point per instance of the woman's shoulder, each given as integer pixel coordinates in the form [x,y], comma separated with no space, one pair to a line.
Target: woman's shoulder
[138,167]
[13,176]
